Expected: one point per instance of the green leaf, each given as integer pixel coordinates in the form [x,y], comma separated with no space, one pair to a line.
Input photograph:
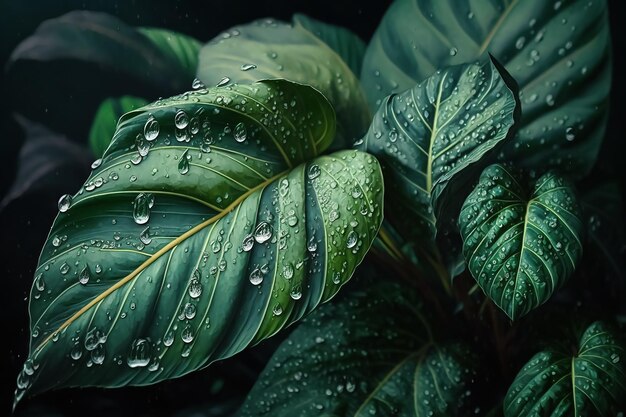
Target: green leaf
[182,50]
[521,246]
[372,353]
[557,51]
[206,228]
[105,122]
[88,57]
[555,382]
[268,49]
[428,135]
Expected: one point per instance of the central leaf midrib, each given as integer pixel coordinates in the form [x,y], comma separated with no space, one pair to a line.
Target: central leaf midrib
[433,137]
[152,259]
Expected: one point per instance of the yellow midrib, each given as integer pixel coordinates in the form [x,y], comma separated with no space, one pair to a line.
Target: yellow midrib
[153,259]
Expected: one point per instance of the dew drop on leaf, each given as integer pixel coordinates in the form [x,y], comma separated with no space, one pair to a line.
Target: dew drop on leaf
[151,129]
[64,203]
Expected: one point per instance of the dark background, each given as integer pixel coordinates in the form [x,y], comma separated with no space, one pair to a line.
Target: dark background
[23,228]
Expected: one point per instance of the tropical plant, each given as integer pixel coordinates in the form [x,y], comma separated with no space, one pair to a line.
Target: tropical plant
[218,217]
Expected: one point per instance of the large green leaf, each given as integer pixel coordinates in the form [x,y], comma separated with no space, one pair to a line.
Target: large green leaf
[268,49]
[591,381]
[202,231]
[62,72]
[105,122]
[557,51]
[521,246]
[428,135]
[372,353]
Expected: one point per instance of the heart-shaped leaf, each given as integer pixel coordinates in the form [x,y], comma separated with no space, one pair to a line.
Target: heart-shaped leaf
[89,56]
[200,232]
[268,49]
[521,246]
[591,381]
[557,51]
[105,122]
[372,353]
[426,136]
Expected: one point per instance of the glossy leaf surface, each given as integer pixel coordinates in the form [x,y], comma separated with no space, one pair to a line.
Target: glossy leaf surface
[105,122]
[557,51]
[555,382]
[268,49]
[428,135]
[207,227]
[521,246]
[371,353]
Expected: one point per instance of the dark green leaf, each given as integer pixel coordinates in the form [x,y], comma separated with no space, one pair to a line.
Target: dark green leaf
[62,72]
[202,231]
[372,353]
[557,51]
[268,49]
[521,246]
[428,135]
[591,381]
[345,43]
[182,50]
[105,122]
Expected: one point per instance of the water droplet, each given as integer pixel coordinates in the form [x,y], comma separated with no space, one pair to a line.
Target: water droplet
[143,147]
[76,352]
[550,100]
[187,334]
[256,277]
[288,271]
[453,51]
[277,310]
[183,164]
[296,293]
[196,84]
[139,355]
[263,232]
[195,286]
[151,129]
[85,275]
[64,203]
[247,243]
[144,236]
[248,67]
[314,172]
[168,339]
[141,207]
[190,311]
[520,42]
[223,82]
[352,240]
[64,268]
[96,163]
[569,134]
[94,338]
[181,120]
[40,284]
[240,132]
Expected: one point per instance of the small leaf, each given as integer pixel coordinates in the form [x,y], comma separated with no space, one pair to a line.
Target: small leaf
[557,51]
[521,249]
[214,239]
[268,49]
[105,122]
[555,382]
[428,135]
[371,353]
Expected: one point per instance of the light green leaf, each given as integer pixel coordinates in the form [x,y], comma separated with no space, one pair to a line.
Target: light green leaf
[105,122]
[591,381]
[208,226]
[268,49]
[372,353]
[557,51]
[521,246]
[181,50]
[428,135]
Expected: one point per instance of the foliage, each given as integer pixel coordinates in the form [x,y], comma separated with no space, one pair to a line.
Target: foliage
[236,210]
